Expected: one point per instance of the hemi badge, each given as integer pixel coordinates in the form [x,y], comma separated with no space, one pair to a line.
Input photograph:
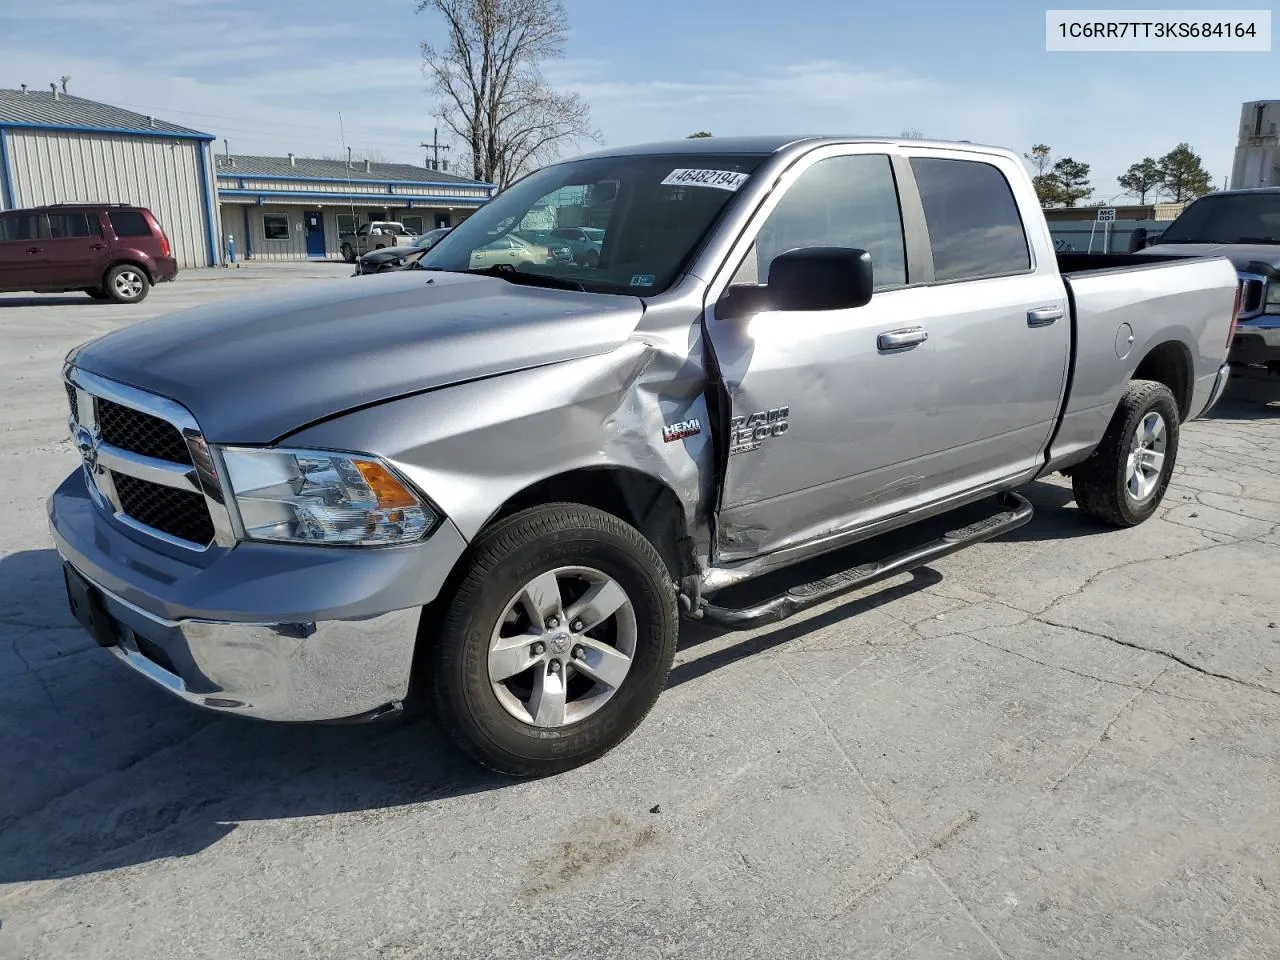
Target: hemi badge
[678,431]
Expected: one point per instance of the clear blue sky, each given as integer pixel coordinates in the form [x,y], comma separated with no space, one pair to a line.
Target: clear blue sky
[274,79]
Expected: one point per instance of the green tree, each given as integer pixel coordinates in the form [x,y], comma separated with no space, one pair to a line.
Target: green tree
[1142,178]
[699,135]
[1048,186]
[1072,178]
[1183,175]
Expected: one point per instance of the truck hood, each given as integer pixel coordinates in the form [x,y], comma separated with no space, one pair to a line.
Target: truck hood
[1238,253]
[253,370]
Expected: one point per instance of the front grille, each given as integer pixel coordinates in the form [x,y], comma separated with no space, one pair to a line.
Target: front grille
[179,513]
[140,432]
[71,399]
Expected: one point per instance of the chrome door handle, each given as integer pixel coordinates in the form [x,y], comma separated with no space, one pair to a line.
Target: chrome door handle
[1043,316]
[897,339]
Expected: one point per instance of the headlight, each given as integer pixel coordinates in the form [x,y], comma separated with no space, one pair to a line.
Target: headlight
[317,496]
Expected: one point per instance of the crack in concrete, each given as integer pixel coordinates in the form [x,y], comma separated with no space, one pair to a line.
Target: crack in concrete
[1079,673]
[35,673]
[887,811]
[1104,734]
[1169,655]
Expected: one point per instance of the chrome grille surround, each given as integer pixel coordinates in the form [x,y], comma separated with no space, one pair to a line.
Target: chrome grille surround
[102,459]
[1253,293]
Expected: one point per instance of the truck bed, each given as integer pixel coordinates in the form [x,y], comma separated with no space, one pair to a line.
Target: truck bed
[1081,263]
[1124,308]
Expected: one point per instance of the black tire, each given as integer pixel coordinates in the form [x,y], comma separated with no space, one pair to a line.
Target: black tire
[348,254]
[592,259]
[1101,483]
[503,560]
[96,292]
[127,283]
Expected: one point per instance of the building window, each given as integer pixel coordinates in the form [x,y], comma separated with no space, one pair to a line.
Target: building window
[412,224]
[275,226]
[347,222]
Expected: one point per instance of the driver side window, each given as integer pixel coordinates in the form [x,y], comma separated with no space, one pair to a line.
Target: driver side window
[847,201]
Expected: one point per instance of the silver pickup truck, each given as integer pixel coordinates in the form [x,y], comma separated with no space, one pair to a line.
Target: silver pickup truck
[498,488]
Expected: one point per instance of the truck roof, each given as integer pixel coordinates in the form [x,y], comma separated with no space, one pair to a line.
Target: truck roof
[779,143]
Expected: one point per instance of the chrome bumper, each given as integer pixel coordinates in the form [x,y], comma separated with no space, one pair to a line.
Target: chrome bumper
[278,632]
[334,670]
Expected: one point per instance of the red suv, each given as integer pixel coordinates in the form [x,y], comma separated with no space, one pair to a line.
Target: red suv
[110,251]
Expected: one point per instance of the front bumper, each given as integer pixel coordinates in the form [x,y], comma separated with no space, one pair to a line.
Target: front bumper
[1256,341]
[273,631]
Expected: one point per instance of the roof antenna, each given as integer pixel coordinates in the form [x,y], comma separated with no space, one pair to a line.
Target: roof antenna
[64,80]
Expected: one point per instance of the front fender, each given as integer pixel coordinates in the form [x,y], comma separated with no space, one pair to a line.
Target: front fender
[473,446]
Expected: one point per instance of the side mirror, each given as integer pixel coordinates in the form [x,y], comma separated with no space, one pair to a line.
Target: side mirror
[1137,239]
[820,278]
[809,278]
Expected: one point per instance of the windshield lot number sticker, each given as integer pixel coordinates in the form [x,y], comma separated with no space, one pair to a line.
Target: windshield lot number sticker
[720,179]
[642,280]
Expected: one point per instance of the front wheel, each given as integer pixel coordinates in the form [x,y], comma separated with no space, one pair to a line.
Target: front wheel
[1124,480]
[556,643]
[348,254]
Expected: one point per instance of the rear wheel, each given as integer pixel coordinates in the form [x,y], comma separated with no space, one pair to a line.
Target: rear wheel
[348,254]
[127,283]
[556,643]
[1125,479]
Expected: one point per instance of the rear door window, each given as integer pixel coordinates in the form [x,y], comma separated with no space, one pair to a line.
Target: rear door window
[66,226]
[18,226]
[129,223]
[974,226]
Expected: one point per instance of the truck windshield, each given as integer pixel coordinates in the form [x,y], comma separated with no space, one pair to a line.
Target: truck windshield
[1230,218]
[647,215]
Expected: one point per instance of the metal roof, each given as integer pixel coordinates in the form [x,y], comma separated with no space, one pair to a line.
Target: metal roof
[42,108]
[305,168]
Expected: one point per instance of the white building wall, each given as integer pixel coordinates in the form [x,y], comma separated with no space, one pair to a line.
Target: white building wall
[161,174]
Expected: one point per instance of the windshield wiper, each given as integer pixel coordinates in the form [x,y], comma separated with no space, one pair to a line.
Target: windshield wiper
[1257,240]
[512,275]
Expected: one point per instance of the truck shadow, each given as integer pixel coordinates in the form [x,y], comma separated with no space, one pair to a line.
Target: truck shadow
[106,771]
[1252,394]
[50,301]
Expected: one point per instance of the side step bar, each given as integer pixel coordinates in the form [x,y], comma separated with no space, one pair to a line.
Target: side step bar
[1015,511]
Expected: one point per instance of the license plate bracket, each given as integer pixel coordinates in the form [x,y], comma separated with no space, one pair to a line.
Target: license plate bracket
[88,608]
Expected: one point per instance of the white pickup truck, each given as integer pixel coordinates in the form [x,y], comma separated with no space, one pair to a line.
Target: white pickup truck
[374,236]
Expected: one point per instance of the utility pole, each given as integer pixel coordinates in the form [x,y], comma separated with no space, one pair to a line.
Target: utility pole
[435,146]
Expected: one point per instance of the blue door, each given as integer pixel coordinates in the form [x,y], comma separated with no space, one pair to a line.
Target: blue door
[314,225]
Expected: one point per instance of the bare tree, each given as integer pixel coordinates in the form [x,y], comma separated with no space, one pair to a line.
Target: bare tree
[487,76]
[911,133]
